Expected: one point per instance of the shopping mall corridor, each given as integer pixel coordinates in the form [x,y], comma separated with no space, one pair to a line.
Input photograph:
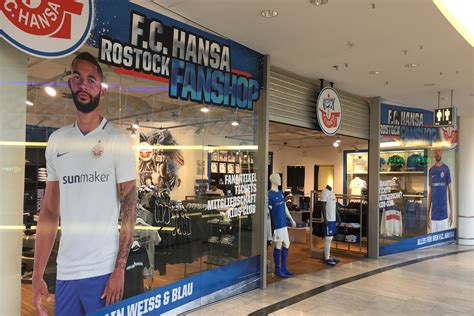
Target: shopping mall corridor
[434,281]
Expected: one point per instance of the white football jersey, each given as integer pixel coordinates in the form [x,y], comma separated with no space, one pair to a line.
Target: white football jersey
[88,168]
[330,198]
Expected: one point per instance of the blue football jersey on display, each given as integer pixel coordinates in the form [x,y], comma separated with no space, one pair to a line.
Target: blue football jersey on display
[276,201]
[440,178]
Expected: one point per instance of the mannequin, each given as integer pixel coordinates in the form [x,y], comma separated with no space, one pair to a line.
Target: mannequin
[280,213]
[329,199]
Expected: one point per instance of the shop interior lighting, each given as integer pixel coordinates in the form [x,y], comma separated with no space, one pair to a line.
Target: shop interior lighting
[205,109]
[459,14]
[335,144]
[269,13]
[338,141]
[318,2]
[50,91]
[235,123]
[29,103]
[104,85]
[390,144]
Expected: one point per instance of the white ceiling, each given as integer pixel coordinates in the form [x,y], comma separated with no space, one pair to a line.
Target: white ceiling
[308,40]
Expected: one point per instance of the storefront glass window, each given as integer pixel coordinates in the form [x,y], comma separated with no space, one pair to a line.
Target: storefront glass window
[417,180]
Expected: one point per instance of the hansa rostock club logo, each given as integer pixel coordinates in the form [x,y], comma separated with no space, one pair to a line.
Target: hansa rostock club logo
[329,111]
[46,28]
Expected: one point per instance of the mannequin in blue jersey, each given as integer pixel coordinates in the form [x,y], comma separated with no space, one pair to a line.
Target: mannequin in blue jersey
[280,213]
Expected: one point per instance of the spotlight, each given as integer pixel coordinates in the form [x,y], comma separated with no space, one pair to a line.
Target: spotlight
[104,85]
[50,91]
[335,144]
[205,109]
[29,103]
[338,141]
[235,123]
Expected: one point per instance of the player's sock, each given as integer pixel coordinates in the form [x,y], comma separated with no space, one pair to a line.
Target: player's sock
[284,258]
[327,247]
[276,259]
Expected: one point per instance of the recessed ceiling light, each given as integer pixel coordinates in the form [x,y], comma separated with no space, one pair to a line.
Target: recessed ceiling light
[429,84]
[412,65]
[318,2]
[29,103]
[338,141]
[50,91]
[104,85]
[235,123]
[205,109]
[335,144]
[374,72]
[269,13]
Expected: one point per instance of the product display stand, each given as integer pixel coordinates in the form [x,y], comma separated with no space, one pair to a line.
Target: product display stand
[344,229]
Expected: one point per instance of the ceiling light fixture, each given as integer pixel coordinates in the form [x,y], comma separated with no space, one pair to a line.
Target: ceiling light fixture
[374,72]
[50,91]
[235,123]
[104,85]
[335,144]
[269,13]
[459,14]
[205,109]
[29,103]
[411,65]
[318,2]
[338,141]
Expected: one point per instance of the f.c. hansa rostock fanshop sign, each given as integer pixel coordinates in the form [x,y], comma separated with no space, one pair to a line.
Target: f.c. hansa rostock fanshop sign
[46,28]
[329,111]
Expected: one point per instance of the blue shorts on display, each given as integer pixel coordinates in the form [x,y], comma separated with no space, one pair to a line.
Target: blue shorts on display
[78,297]
[330,228]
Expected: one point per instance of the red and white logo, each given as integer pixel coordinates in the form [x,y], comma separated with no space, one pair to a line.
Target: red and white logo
[46,28]
[329,111]
[449,136]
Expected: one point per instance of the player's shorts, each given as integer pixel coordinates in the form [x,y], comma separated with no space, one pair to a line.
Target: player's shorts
[330,228]
[437,226]
[78,297]
[281,235]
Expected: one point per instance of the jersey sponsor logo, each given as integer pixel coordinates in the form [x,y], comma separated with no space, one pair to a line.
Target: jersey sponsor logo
[61,154]
[97,150]
[46,28]
[442,174]
[87,178]
[329,111]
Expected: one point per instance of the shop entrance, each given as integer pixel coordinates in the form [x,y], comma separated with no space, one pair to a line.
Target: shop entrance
[308,161]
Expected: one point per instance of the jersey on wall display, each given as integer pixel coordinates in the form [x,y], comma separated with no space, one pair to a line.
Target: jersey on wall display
[417,193]
[179,65]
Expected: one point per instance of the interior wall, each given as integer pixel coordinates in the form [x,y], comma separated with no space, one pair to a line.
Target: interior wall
[308,157]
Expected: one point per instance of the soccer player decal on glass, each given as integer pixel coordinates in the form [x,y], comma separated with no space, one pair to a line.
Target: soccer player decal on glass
[91,180]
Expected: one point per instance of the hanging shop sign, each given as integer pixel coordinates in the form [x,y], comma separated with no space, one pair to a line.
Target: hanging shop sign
[46,28]
[443,117]
[412,126]
[329,111]
[196,65]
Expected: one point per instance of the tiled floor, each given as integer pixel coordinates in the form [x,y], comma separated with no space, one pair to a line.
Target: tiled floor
[441,286]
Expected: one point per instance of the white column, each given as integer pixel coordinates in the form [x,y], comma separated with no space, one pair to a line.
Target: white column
[13,69]
[466,181]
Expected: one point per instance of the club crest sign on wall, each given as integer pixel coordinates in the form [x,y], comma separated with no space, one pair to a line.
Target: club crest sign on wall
[46,28]
[329,111]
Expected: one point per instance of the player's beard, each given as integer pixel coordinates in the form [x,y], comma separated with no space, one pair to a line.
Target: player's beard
[86,107]
[438,158]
